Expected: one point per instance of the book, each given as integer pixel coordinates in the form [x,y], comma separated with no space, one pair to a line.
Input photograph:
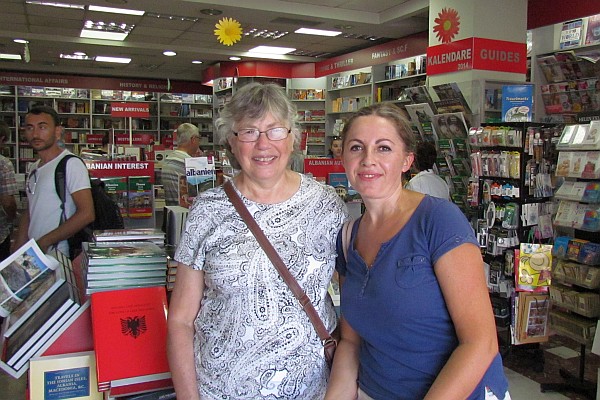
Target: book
[64,376]
[421,115]
[126,235]
[21,273]
[140,197]
[29,338]
[117,253]
[130,322]
[451,99]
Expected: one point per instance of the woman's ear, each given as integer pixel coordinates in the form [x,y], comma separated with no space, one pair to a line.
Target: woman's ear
[408,160]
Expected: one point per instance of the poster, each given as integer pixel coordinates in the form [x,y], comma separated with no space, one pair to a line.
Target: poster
[571,34]
[517,103]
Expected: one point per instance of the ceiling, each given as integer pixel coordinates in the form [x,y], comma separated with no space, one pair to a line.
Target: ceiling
[53,30]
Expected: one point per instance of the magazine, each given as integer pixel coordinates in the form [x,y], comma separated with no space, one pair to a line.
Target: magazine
[421,116]
[21,273]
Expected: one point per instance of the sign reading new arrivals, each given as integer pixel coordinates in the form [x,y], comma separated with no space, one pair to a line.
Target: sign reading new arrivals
[136,110]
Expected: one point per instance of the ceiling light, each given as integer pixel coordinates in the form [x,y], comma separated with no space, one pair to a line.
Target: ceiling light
[22,41]
[264,33]
[211,11]
[172,17]
[120,60]
[79,53]
[101,30]
[235,58]
[196,62]
[76,56]
[318,32]
[116,10]
[5,56]
[169,53]
[271,50]
[53,4]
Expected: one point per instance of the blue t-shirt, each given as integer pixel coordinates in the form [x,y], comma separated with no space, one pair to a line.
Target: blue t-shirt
[398,309]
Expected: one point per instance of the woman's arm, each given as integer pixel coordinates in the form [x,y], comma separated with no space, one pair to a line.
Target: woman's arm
[184,305]
[344,374]
[462,280]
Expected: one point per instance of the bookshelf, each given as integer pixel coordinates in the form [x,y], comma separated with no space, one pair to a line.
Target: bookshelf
[392,78]
[309,97]
[569,83]
[346,93]
[86,117]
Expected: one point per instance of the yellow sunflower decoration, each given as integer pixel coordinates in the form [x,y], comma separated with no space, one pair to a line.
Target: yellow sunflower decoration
[228,31]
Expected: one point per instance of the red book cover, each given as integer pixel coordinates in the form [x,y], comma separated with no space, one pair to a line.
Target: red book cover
[130,333]
[143,387]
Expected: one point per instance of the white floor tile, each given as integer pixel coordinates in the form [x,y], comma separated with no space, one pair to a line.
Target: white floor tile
[523,388]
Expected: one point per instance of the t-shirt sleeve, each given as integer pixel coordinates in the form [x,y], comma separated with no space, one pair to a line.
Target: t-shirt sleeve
[78,176]
[449,228]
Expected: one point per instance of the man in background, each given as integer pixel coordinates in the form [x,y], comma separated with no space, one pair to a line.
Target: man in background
[44,221]
[8,190]
[173,166]
[427,181]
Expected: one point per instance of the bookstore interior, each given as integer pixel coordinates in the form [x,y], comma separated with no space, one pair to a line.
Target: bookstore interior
[516,125]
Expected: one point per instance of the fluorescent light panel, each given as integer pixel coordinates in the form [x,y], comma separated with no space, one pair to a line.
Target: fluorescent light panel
[108,31]
[86,33]
[6,56]
[54,4]
[318,32]
[271,50]
[76,57]
[116,10]
[119,60]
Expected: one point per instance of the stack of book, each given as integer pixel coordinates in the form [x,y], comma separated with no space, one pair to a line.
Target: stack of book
[38,295]
[119,265]
[130,235]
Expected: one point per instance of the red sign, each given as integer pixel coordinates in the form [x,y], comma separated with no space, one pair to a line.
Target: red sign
[479,54]
[138,110]
[450,57]
[321,167]
[88,82]
[500,55]
[94,139]
[402,48]
[110,169]
[136,138]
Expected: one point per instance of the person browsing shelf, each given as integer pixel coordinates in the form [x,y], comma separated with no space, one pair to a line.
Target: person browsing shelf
[44,221]
[234,329]
[335,148]
[427,181]
[8,190]
[173,167]
[417,321]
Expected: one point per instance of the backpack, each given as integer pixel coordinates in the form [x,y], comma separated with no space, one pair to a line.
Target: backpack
[108,215]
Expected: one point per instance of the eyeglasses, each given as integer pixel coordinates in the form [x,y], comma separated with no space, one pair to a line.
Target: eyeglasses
[252,134]
[31,182]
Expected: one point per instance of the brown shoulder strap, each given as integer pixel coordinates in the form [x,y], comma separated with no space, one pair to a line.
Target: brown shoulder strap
[296,289]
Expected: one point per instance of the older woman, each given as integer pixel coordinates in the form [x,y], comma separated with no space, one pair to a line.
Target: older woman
[235,330]
[417,320]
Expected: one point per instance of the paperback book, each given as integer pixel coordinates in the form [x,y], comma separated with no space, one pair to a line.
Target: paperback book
[21,273]
[64,376]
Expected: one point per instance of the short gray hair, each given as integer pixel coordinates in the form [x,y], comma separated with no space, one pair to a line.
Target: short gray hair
[253,101]
[185,133]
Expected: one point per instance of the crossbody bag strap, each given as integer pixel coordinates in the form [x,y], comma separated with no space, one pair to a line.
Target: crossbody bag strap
[302,297]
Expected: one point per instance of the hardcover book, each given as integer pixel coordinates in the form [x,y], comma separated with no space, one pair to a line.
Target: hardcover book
[114,253]
[64,376]
[131,322]
[121,235]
